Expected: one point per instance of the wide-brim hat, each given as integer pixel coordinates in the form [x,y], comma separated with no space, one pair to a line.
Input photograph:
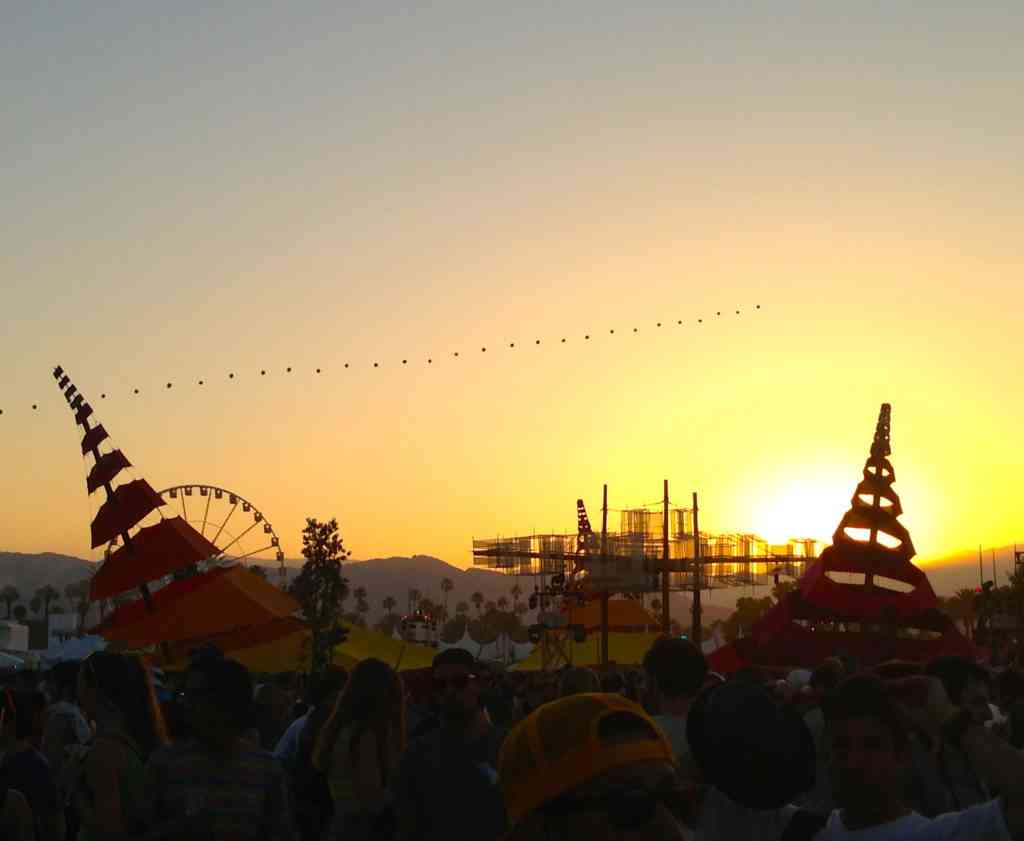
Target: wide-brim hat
[754,750]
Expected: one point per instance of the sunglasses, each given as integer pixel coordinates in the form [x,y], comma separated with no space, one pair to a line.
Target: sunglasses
[456,682]
[629,808]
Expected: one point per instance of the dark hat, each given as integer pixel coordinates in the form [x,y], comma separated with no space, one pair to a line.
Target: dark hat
[757,752]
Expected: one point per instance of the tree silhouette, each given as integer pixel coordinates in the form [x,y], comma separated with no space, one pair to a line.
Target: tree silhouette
[478,601]
[20,613]
[489,606]
[318,587]
[258,570]
[389,604]
[447,585]
[414,599]
[502,603]
[960,607]
[10,596]
[360,594]
[461,608]
[47,595]
[516,592]
[36,604]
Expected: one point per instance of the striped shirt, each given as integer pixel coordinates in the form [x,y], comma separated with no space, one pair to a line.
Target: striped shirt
[244,794]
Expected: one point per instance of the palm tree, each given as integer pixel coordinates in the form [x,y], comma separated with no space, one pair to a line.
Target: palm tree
[47,595]
[77,595]
[389,604]
[362,607]
[960,607]
[502,603]
[447,585]
[10,596]
[516,592]
[489,606]
[36,604]
[462,608]
[414,599]
[360,594]
[20,613]
[478,601]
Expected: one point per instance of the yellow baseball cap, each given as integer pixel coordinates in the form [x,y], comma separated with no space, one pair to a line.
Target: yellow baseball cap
[558,747]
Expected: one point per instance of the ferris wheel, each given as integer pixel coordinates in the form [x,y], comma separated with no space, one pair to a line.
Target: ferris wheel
[211,511]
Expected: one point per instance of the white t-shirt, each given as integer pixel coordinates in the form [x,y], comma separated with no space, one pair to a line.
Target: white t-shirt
[723,819]
[674,727]
[984,822]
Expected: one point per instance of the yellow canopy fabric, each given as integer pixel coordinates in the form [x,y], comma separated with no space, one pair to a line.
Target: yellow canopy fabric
[291,652]
[623,649]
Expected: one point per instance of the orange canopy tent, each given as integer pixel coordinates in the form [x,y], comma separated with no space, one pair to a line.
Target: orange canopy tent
[199,608]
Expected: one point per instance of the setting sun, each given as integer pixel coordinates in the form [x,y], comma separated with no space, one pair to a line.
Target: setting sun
[803,508]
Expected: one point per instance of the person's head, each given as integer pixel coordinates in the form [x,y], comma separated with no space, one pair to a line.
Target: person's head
[64,680]
[324,688]
[1010,687]
[898,669]
[577,681]
[456,687]
[373,700]
[23,715]
[827,675]
[967,684]
[122,684]
[613,683]
[675,668]
[869,736]
[218,698]
[591,766]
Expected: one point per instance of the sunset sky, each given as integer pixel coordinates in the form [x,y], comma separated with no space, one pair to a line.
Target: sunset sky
[190,191]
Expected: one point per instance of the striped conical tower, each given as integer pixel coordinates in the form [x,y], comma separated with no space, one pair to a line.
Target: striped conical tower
[144,555]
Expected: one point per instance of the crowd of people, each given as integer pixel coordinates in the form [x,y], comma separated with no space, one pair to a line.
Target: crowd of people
[110,749]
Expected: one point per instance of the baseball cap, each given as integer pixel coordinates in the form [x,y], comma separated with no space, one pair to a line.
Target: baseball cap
[558,747]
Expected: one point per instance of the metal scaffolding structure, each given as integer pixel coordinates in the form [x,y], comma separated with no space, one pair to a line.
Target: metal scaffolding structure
[634,558]
[653,551]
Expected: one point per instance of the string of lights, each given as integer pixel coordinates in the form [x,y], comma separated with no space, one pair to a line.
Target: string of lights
[409,361]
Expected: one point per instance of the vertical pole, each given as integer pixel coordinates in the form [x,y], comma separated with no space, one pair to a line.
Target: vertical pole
[994,582]
[981,570]
[666,617]
[696,631]
[604,593]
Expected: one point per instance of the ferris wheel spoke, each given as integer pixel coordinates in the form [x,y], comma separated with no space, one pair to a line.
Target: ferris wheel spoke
[254,552]
[243,534]
[184,510]
[206,513]
[228,517]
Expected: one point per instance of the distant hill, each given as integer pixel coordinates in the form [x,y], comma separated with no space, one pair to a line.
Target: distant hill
[30,572]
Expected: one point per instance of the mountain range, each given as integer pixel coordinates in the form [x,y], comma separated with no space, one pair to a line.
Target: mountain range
[380,577]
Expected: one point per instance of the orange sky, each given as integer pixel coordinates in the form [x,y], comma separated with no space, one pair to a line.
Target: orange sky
[233,190]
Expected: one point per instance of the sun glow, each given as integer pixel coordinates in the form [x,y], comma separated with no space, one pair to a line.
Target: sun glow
[802,509]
